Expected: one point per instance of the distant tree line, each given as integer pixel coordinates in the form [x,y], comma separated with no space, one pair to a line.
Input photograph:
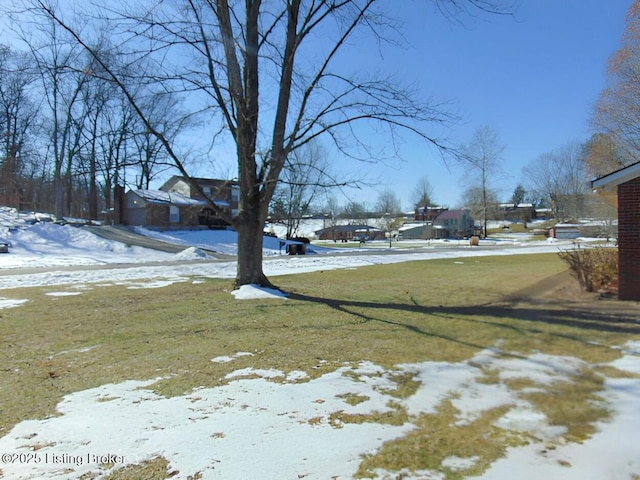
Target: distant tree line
[557,180]
[69,137]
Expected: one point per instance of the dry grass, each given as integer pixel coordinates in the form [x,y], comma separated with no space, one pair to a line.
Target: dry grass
[157,468]
[574,404]
[438,437]
[435,310]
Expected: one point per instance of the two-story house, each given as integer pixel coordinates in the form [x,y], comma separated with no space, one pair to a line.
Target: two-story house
[224,193]
[454,224]
[179,204]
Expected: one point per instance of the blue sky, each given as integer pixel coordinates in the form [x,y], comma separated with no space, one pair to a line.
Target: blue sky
[533,78]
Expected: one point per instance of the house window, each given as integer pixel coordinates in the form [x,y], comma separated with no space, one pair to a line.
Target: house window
[235,194]
[207,191]
[174,214]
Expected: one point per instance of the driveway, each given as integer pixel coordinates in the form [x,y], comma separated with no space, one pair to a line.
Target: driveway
[127,236]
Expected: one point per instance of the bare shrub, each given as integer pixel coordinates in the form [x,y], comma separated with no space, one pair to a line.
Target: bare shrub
[594,268]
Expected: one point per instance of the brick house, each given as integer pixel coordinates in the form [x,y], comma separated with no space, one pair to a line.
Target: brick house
[344,233]
[225,193]
[155,208]
[428,214]
[626,182]
[178,204]
[445,224]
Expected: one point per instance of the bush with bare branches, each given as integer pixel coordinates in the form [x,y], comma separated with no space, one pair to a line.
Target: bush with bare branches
[594,268]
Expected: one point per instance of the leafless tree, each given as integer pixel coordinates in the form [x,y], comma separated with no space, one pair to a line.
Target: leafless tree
[481,202]
[96,101]
[603,155]
[330,212]
[302,181]
[560,177]
[482,158]
[388,203]
[18,117]
[269,86]
[422,194]
[388,210]
[354,211]
[116,146]
[617,112]
[62,86]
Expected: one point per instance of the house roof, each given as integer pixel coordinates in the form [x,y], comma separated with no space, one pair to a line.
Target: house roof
[202,181]
[430,209]
[168,198]
[614,179]
[514,205]
[452,214]
[348,228]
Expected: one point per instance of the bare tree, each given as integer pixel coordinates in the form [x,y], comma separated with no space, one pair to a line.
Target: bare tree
[330,212]
[95,99]
[117,146]
[560,178]
[269,86]
[331,206]
[305,177]
[422,194]
[603,155]
[482,157]
[18,117]
[354,211]
[388,209]
[481,202]
[62,86]
[617,113]
[388,203]
[149,157]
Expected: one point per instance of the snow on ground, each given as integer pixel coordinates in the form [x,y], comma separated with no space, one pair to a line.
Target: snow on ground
[252,292]
[52,245]
[223,241]
[231,431]
[183,271]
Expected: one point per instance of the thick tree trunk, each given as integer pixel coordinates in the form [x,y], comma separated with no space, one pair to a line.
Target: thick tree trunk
[250,238]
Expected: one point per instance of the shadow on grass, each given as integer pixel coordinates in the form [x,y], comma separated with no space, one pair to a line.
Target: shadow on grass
[524,317]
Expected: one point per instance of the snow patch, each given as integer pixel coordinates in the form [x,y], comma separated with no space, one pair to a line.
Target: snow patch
[12,302]
[226,359]
[245,418]
[224,426]
[258,372]
[252,292]
[191,253]
[458,463]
